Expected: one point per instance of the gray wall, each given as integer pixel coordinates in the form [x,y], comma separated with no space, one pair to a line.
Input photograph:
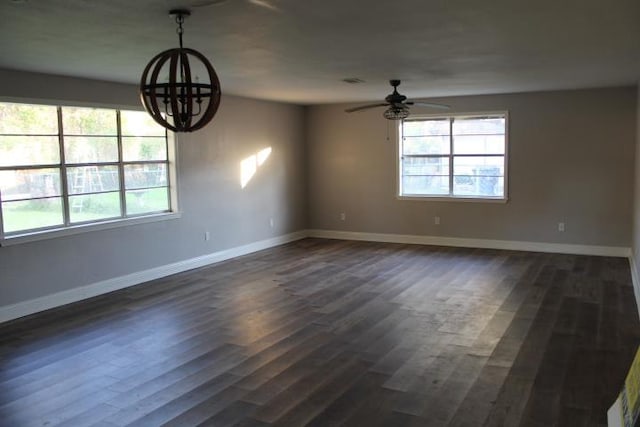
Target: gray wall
[636,198]
[211,198]
[571,160]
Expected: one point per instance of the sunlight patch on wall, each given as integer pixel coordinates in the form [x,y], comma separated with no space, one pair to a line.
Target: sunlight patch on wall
[250,165]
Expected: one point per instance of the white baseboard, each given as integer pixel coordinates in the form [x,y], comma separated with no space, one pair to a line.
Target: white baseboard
[562,248]
[46,302]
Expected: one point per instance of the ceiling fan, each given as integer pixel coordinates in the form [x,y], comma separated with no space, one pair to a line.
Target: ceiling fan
[262,3]
[398,105]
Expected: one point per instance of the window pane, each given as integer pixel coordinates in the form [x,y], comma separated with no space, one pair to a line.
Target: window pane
[425,166]
[145,201]
[139,123]
[144,148]
[480,176]
[30,214]
[477,165]
[90,149]
[145,176]
[479,125]
[94,206]
[92,179]
[487,186]
[425,185]
[425,127]
[25,119]
[425,145]
[29,150]
[478,144]
[29,183]
[89,121]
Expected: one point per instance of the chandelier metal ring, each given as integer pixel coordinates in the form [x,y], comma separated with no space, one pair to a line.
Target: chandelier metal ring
[181,103]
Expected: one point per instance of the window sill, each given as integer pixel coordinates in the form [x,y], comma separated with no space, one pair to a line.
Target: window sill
[470,199]
[85,228]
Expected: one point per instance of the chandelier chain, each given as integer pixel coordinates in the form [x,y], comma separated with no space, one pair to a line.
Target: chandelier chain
[180,30]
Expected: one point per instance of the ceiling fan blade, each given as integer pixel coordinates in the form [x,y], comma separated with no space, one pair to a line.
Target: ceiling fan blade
[261,3]
[265,4]
[206,3]
[419,103]
[365,107]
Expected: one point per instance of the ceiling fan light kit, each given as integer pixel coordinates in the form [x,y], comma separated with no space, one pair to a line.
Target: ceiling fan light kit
[397,104]
[181,103]
[396,113]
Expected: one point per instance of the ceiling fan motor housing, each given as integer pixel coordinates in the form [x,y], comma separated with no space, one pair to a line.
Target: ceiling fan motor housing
[395,97]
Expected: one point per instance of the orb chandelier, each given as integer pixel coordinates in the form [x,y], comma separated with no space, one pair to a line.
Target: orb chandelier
[182,102]
[396,112]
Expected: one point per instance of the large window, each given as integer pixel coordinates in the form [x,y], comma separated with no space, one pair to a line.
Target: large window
[66,166]
[454,157]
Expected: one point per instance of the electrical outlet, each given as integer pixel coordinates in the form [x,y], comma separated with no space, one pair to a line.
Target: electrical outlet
[561,226]
[207,235]
[343,216]
[271,222]
[436,220]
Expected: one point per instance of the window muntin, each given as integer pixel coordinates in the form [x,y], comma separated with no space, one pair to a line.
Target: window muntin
[65,166]
[454,157]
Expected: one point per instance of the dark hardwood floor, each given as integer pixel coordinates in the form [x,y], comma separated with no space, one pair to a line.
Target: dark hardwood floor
[327,333]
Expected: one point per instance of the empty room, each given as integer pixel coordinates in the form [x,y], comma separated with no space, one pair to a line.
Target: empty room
[287,213]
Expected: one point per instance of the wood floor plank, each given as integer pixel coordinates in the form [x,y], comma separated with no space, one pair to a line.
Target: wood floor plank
[326,333]
[171,404]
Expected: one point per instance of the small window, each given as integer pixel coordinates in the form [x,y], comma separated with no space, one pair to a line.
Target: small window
[66,166]
[454,157]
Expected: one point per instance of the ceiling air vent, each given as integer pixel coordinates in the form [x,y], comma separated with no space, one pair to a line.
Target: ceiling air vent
[353,80]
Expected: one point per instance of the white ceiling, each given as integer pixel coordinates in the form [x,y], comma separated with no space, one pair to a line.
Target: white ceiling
[299,50]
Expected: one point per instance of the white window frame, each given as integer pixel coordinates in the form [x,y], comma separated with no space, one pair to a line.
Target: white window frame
[451,197]
[31,235]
